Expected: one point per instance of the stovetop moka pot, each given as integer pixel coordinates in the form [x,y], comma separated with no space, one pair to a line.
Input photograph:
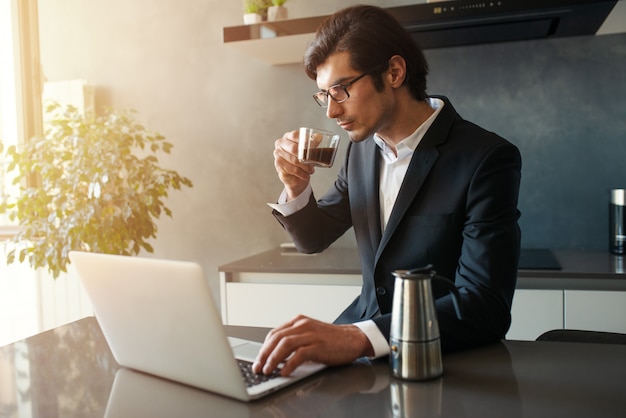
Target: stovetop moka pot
[414,334]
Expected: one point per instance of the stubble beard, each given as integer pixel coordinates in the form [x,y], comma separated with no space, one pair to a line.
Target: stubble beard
[359,136]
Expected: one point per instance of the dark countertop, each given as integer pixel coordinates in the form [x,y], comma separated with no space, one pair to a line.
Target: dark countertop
[70,372]
[579,270]
[279,260]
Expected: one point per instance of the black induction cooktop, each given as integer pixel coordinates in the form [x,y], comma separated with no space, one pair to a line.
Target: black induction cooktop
[538,259]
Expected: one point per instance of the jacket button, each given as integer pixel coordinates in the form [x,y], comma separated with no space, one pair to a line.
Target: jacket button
[381,290]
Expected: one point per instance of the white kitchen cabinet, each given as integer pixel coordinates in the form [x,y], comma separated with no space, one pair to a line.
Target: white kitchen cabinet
[272,287]
[535,312]
[270,305]
[595,310]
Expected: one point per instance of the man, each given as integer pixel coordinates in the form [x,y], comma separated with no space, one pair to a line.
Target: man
[419,185]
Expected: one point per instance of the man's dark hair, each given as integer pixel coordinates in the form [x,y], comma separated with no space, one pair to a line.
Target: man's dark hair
[371,36]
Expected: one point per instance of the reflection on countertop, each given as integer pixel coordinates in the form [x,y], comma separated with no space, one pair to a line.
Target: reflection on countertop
[52,373]
[70,372]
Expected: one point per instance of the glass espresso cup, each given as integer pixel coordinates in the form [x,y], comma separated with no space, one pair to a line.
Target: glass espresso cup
[317,146]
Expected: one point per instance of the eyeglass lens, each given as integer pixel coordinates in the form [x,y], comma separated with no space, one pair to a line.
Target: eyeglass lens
[339,93]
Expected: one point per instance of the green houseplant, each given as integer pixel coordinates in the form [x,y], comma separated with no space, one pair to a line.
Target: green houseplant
[255,11]
[90,183]
[253,6]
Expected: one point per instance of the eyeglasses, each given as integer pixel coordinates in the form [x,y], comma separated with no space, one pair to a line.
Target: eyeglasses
[338,92]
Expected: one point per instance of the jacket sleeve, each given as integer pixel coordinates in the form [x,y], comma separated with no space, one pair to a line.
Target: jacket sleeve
[487,270]
[320,223]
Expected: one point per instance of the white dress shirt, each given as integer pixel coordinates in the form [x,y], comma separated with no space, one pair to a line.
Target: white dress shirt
[392,171]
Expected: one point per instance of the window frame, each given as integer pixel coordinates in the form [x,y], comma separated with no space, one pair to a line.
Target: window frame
[28,79]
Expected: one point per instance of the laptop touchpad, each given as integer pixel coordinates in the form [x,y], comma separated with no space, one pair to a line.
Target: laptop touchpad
[243,349]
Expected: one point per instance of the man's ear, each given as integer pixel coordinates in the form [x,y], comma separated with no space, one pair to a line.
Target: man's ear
[396,71]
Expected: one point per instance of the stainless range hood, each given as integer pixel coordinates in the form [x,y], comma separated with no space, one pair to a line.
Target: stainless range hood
[456,23]
[447,23]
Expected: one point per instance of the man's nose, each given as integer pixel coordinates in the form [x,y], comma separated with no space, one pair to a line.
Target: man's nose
[334,109]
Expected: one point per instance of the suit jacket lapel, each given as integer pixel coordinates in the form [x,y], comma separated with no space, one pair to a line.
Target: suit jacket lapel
[422,161]
[420,166]
[372,196]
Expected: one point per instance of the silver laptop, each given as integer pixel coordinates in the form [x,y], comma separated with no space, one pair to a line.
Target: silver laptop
[159,317]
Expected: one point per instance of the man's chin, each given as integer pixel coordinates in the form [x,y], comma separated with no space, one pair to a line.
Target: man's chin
[356,136]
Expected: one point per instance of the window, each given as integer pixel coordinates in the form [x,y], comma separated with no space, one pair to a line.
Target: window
[20,80]
[8,100]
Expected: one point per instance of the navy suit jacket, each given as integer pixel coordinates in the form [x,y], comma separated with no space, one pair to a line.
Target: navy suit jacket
[456,209]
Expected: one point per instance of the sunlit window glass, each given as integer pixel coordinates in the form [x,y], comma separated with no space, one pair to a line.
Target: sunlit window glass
[8,91]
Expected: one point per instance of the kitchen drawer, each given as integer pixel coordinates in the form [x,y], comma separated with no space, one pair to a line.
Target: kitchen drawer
[595,310]
[535,312]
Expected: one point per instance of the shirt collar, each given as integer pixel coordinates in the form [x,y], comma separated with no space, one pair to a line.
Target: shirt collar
[410,143]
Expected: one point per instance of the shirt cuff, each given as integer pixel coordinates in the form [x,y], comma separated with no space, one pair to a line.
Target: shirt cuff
[289,208]
[377,339]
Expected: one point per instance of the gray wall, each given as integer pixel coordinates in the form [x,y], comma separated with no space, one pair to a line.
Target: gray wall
[561,101]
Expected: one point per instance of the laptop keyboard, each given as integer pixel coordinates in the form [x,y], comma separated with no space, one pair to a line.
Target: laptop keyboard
[253,379]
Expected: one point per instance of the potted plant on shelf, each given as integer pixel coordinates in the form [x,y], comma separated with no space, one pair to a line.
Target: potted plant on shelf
[254,11]
[277,11]
[90,183]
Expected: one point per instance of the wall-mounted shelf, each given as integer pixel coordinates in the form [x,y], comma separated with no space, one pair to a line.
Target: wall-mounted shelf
[278,42]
